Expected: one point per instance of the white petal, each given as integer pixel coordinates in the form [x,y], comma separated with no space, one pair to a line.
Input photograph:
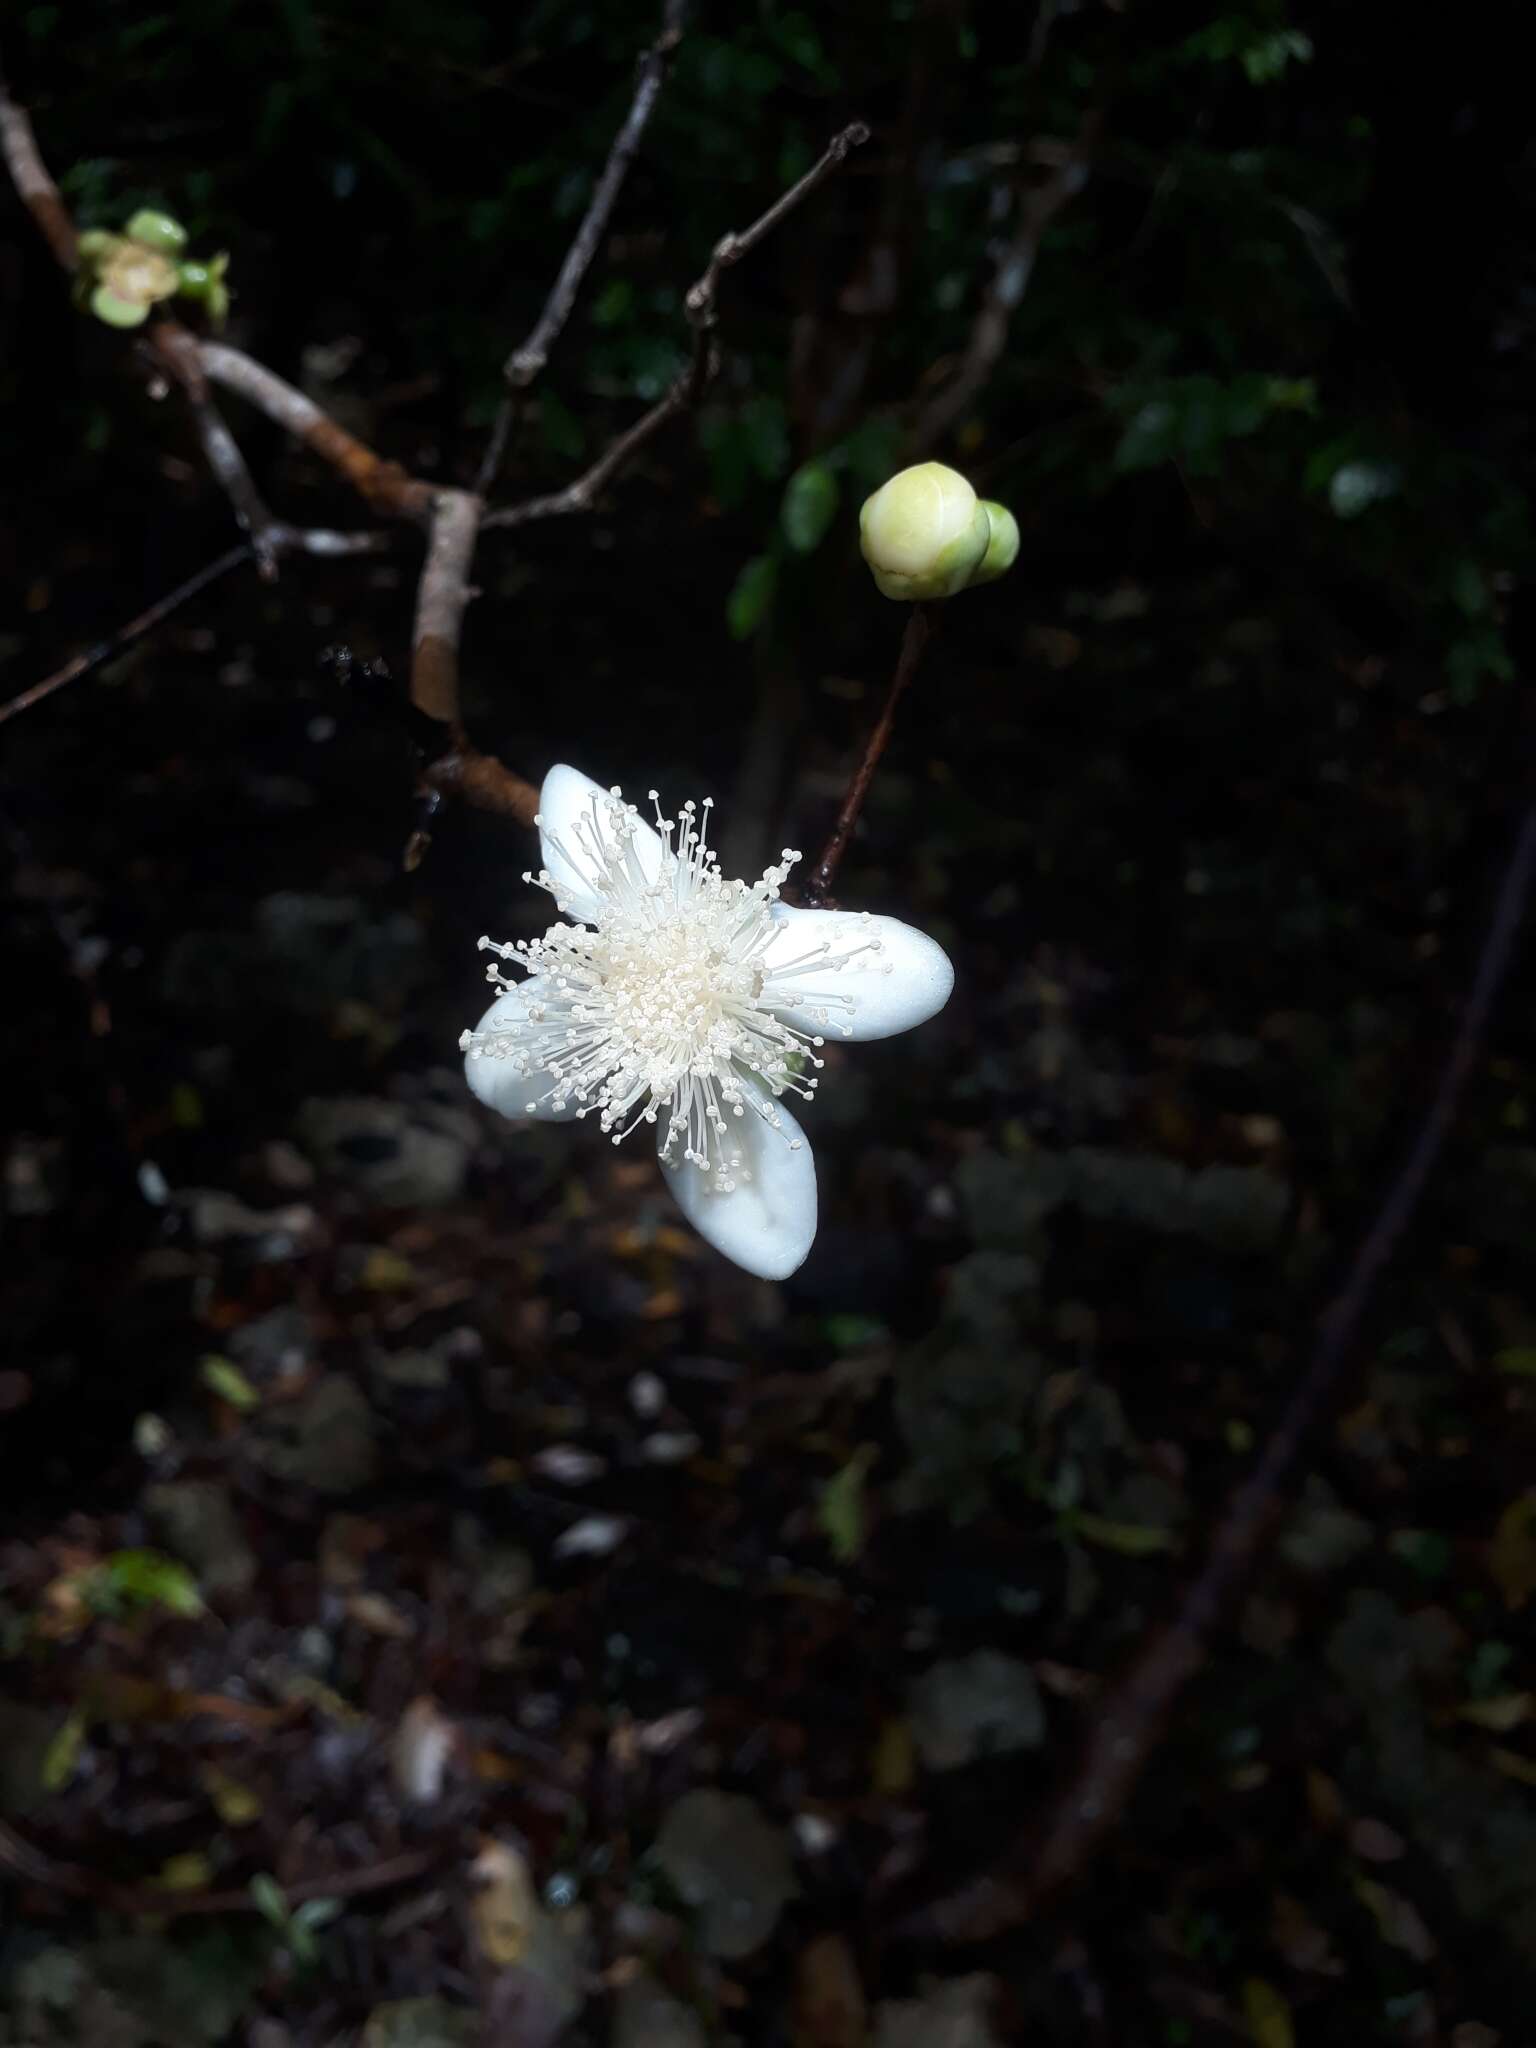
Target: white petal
[496,1081]
[901,978]
[566,816]
[767,1223]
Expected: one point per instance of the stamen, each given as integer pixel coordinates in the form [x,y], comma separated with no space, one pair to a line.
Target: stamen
[669,1005]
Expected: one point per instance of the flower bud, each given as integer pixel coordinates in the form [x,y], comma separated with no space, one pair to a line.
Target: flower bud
[1003,547]
[157,231]
[924,534]
[205,283]
[91,244]
[130,278]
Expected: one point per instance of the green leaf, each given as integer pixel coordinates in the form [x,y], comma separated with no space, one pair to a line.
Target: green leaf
[1131,1539]
[848,1332]
[1520,1358]
[268,1898]
[63,1752]
[1355,486]
[841,1509]
[751,597]
[615,303]
[145,1578]
[809,506]
[1268,2015]
[561,431]
[224,1378]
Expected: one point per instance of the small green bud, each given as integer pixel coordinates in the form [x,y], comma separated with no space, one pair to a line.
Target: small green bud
[158,231]
[117,312]
[1003,547]
[205,283]
[924,533]
[95,243]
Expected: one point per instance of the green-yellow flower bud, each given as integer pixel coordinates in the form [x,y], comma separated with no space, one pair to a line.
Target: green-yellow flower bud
[157,231]
[94,243]
[135,275]
[924,534]
[205,283]
[1003,547]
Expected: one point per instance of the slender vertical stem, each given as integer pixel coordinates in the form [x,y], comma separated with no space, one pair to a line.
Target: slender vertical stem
[920,627]
[1135,1710]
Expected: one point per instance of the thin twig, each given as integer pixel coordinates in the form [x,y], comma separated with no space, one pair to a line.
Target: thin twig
[453,518]
[280,537]
[29,174]
[19,1860]
[730,249]
[1038,208]
[441,597]
[175,350]
[914,641]
[135,629]
[702,313]
[385,485]
[480,780]
[1136,1709]
[526,362]
[328,540]
[581,494]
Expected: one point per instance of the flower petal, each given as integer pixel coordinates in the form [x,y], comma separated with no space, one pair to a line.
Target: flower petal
[768,1221]
[500,1079]
[572,809]
[892,976]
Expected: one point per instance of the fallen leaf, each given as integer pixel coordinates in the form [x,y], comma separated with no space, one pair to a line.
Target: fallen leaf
[235,1804]
[1512,1553]
[380,1617]
[62,1755]
[893,1767]
[385,1272]
[421,1750]
[1268,2015]
[223,1377]
[502,1904]
[191,1872]
[1375,1841]
[1398,1920]
[841,1508]
[1504,1711]
[1131,1539]
[830,2010]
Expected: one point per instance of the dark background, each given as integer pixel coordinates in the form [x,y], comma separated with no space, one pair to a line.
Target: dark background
[1206,800]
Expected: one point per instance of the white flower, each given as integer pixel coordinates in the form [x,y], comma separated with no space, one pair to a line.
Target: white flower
[692,1003]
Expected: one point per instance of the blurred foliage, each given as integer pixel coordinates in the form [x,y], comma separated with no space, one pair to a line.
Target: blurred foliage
[1191,324]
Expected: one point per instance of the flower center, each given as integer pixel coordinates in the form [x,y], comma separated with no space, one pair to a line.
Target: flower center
[670,1004]
[141,276]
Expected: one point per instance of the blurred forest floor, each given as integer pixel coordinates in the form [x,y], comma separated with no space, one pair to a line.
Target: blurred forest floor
[436,1593]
